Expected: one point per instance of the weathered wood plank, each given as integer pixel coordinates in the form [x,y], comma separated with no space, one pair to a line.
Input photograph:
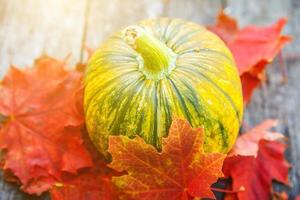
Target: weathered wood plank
[106,17]
[275,100]
[200,11]
[30,28]
[258,12]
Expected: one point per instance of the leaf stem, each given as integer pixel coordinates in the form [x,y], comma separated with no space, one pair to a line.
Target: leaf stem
[241,189]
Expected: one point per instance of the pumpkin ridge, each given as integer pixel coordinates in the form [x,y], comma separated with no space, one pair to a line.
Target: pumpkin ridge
[181,102]
[208,128]
[216,52]
[193,92]
[166,107]
[170,35]
[223,134]
[155,116]
[122,113]
[183,38]
[219,89]
[102,88]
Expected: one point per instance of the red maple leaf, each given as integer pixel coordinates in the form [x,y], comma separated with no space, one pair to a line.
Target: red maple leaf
[247,143]
[41,109]
[252,177]
[90,184]
[182,170]
[252,47]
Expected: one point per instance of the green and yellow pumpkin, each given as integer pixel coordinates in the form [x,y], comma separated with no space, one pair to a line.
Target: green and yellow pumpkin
[146,75]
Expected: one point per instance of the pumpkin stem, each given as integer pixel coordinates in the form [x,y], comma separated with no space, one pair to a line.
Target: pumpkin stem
[157,60]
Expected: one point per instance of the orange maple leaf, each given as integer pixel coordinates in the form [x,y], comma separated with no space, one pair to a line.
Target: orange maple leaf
[182,170]
[40,134]
[252,47]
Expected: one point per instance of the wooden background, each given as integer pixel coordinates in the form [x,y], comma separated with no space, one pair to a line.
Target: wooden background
[29,28]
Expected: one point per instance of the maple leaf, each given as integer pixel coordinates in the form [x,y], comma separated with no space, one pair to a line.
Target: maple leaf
[92,184]
[180,171]
[247,143]
[252,47]
[226,27]
[42,108]
[253,176]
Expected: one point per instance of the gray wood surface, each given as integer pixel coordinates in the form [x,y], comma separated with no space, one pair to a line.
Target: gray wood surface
[29,28]
[274,99]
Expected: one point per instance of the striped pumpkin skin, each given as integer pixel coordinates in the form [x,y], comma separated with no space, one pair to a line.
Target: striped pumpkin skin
[203,87]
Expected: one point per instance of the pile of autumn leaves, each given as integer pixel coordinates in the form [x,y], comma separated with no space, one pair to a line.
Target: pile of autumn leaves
[45,146]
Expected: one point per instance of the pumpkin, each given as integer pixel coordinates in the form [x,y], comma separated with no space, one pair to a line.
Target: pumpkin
[148,74]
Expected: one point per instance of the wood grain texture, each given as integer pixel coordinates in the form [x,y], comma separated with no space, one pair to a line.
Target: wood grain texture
[200,11]
[106,17]
[275,99]
[29,28]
